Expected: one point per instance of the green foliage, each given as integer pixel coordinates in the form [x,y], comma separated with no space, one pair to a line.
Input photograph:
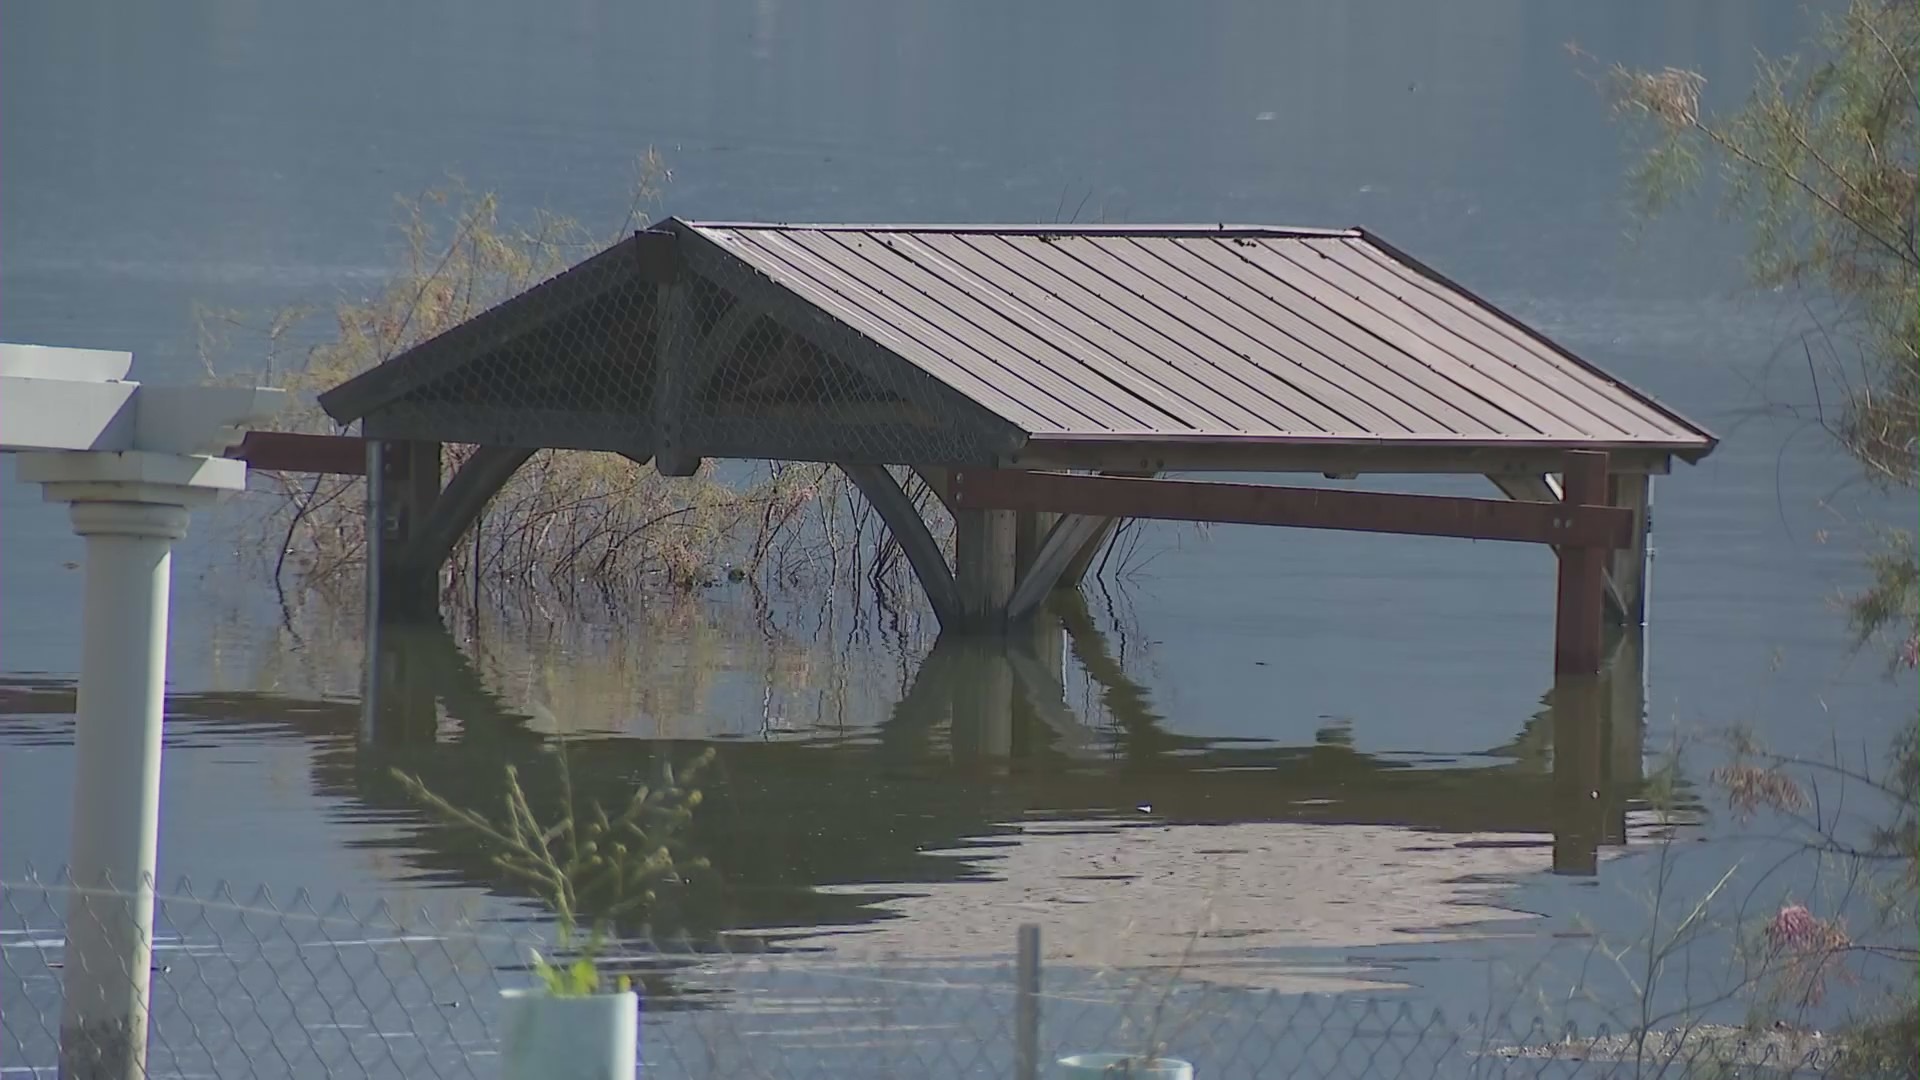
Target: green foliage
[594,868]
[1893,601]
[1821,164]
[578,979]
[1883,1046]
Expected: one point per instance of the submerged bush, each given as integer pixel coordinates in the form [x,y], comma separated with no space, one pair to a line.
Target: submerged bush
[569,524]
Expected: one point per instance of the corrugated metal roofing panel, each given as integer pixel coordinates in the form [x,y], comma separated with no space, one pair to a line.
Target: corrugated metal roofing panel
[1207,333]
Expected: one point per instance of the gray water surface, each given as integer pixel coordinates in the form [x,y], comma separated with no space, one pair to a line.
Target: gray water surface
[238,155]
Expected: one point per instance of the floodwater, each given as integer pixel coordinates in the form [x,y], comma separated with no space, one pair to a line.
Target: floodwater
[1336,753]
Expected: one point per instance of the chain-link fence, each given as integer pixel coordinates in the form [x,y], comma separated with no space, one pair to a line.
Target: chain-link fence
[258,985]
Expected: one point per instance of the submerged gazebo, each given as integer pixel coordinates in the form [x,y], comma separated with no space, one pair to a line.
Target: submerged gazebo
[1004,363]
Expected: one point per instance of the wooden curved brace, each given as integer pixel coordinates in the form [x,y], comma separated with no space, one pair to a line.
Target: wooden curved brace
[459,505]
[1070,535]
[909,529]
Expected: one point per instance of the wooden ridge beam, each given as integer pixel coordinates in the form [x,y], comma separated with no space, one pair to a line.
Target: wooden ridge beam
[1568,525]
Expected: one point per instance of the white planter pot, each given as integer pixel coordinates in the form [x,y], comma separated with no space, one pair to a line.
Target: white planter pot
[568,1038]
[1121,1067]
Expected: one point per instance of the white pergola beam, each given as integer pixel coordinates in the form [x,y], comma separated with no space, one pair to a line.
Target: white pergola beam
[54,414]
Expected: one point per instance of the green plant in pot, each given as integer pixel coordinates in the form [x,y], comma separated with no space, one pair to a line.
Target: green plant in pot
[593,870]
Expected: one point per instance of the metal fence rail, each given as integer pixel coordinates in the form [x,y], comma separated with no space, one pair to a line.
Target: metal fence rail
[249,984]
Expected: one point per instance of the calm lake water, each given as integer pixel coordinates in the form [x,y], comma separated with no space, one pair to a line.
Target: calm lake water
[1361,716]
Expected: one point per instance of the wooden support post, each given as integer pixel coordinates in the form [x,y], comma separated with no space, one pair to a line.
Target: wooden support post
[1030,528]
[673,346]
[1579,804]
[1629,565]
[1542,487]
[983,548]
[403,482]
[461,503]
[1578,624]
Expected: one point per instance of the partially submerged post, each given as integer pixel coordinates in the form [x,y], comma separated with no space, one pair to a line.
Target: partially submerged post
[403,484]
[1578,621]
[131,460]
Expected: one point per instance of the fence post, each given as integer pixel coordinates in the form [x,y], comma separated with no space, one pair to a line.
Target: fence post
[1026,1005]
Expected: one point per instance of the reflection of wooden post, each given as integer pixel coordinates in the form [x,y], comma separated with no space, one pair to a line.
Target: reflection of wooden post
[1582,588]
[398,703]
[1036,652]
[1628,565]
[1050,645]
[1624,694]
[1579,808]
[983,702]
[928,703]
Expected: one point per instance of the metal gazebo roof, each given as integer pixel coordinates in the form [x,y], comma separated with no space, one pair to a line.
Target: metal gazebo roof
[1029,345]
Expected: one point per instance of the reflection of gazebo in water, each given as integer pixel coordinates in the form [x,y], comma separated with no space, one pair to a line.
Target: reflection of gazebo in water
[983,737]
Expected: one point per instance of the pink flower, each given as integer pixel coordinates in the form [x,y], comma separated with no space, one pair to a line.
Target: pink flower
[1813,949]
[1793,928]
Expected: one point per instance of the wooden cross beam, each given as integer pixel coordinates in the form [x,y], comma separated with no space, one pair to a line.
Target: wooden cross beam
[1580,527]
[286,451]
[1562,523]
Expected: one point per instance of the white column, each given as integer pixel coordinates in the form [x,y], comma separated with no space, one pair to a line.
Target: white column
[116,809]
[130,459]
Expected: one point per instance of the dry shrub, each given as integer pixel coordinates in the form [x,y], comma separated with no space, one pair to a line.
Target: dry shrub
[1670,95]
[569,524]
